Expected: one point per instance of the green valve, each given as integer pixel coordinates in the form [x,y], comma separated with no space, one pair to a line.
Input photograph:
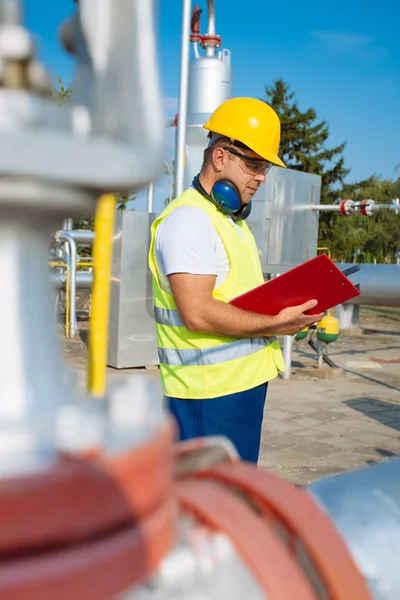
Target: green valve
[328,329]
[327,337]
[301,335]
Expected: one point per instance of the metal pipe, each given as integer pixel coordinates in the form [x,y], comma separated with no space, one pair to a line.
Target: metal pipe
[64,265]
[320,353]
[325,207]
[287,355]
[68,224]
[379,284]
[211,17]
[65,236]
[168,174]
[150,197]
[83,280]
[196,49]
[10,12]
[355,207]
[82,237]
[325,357]
[375,207]
[180,148]
[210,48]
[27,348]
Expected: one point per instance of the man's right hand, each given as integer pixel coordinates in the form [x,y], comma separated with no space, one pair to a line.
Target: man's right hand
[291,320]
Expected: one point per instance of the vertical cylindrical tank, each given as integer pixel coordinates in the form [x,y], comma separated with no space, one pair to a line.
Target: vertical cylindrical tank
[210,84]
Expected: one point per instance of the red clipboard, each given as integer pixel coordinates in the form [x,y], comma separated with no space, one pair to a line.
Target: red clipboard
[317,278]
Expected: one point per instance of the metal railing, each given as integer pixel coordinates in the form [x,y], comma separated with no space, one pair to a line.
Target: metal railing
[71,239]
[53,264]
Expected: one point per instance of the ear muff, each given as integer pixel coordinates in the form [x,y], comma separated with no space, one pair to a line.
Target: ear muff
[226,197]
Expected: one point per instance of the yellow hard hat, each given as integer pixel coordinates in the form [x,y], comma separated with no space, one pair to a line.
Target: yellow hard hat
[251,122]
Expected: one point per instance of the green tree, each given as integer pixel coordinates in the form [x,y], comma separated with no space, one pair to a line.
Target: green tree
[304,147]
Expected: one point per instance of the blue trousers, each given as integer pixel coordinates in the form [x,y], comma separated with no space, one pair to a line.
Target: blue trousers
[236,416]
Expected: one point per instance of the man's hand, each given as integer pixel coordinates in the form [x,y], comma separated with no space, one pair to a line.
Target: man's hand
[291,320]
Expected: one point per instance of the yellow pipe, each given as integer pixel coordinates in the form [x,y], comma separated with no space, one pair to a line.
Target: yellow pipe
[323,248]
[60,264]
[98,333]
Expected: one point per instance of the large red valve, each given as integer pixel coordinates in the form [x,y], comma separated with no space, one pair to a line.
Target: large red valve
[91,528]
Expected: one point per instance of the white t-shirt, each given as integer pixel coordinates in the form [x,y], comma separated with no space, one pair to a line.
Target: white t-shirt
[187,242]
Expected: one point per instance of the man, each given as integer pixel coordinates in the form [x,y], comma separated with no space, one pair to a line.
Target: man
[215,359]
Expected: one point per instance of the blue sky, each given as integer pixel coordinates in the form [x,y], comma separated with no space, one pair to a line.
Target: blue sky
[341,58]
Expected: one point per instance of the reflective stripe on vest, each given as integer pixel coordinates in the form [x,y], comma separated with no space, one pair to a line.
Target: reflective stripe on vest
[164,316]
[214,355]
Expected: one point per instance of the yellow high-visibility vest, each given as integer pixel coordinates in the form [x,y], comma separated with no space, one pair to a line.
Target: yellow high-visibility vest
[201,365]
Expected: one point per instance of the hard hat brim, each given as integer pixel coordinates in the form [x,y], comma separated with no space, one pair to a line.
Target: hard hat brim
[272,158]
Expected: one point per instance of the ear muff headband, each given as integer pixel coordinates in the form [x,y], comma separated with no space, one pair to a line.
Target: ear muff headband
[226,197]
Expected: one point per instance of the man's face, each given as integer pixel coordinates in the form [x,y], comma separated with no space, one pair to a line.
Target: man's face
[246,169]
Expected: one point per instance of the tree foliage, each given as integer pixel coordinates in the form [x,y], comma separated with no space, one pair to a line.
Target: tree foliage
[61,93]
[305,147]
[366,239]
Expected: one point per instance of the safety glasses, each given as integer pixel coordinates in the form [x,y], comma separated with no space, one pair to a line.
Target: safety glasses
[251,166]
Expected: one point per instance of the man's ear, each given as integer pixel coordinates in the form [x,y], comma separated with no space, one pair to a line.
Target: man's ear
[219,159]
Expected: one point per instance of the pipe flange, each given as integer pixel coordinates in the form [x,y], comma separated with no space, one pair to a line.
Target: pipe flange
[98,493]
[196,37]
[346,207]
[211,40]
[98,568]
[366,207]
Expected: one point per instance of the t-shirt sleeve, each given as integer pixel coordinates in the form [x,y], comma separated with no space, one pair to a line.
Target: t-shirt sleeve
[185,243]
